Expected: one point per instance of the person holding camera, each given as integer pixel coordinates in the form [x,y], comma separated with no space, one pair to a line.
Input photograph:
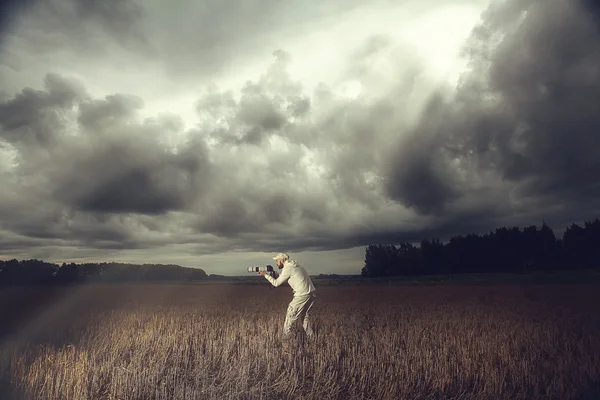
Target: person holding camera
[303,289]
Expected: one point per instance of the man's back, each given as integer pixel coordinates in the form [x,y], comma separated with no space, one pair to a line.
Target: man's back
[299,279]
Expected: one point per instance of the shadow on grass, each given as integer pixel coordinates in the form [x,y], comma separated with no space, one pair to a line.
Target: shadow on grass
[20,305]
[32,315]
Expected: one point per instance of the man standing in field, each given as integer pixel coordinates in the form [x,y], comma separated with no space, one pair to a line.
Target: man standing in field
[304,293]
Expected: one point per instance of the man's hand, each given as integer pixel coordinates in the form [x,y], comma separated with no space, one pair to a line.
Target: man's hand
[262,273]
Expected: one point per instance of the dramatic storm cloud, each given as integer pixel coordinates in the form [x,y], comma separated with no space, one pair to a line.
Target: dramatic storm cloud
[204,134]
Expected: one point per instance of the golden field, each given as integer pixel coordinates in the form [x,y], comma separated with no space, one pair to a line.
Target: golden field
[221,341]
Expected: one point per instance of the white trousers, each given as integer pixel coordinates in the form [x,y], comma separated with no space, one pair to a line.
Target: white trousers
[299,310]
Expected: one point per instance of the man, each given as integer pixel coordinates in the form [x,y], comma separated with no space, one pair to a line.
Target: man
[304,292]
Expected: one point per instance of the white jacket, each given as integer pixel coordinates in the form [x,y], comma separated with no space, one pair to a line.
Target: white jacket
[296,276]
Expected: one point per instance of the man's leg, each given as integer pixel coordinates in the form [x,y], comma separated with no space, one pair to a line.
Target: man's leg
[306,324]
[292,314]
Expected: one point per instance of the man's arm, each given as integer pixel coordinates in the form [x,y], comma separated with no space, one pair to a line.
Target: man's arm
[285,275]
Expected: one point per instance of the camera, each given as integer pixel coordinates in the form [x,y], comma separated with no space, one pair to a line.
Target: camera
[264,268]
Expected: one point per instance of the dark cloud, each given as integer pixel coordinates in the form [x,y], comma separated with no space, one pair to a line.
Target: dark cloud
[417,175]
[134,174]
[230,217]
[34,116]
[242,213]
[146,188]
[526,113]
[75,156]
[261,115]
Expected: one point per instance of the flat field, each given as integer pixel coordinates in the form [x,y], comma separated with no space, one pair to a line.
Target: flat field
[223,341]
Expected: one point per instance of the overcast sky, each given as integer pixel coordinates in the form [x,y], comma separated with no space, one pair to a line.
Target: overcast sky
[217,133]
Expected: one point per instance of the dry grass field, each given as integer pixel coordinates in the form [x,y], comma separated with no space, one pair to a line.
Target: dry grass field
[374,342]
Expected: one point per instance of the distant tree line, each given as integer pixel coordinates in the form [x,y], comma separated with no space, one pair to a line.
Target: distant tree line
[502,250]
[15,272]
